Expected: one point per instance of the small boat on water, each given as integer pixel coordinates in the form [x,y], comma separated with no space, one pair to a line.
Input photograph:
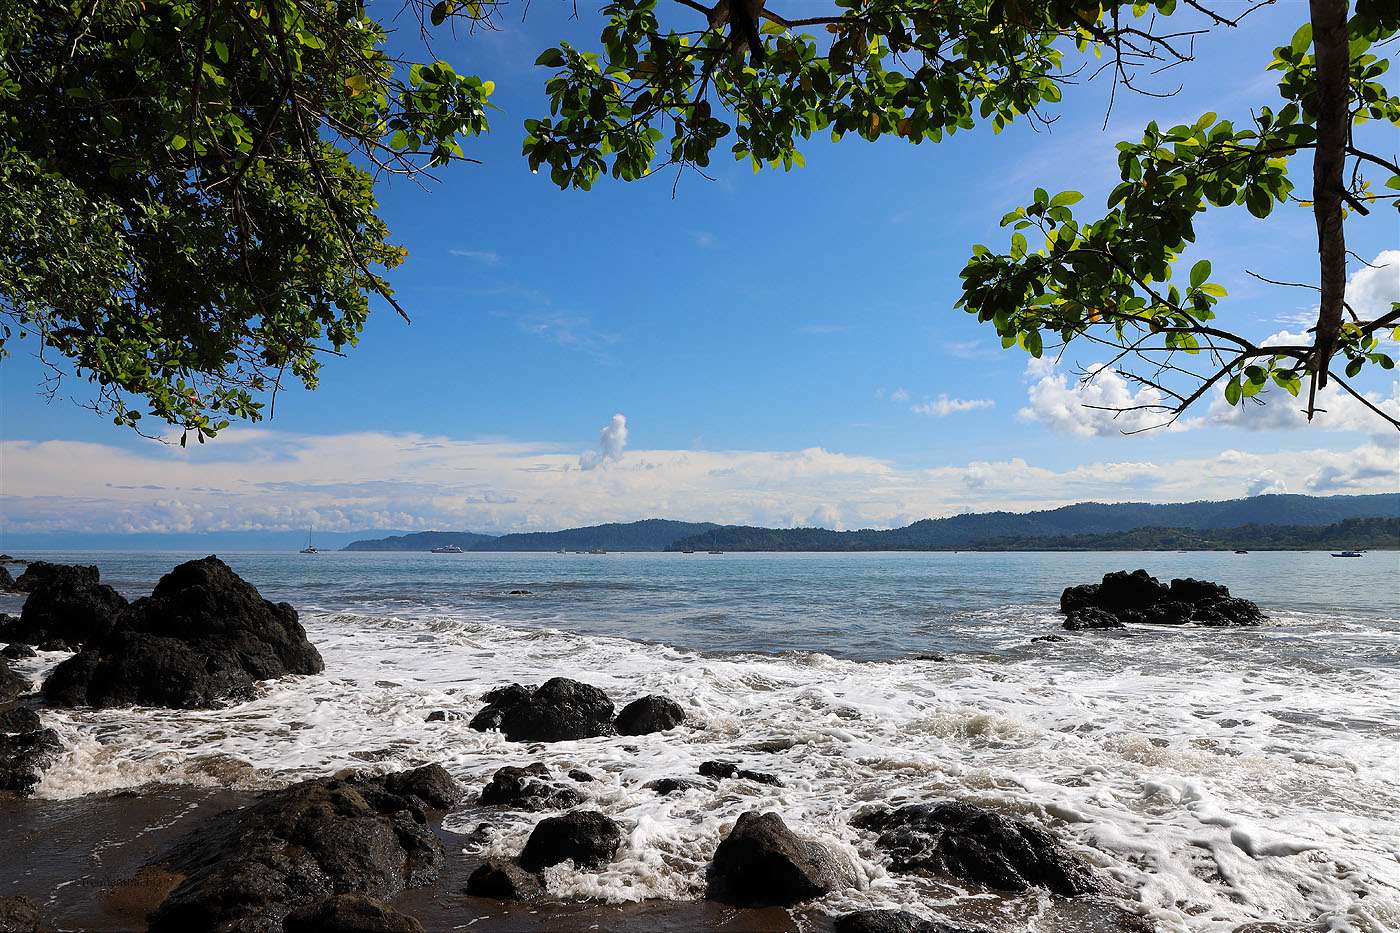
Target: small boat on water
[446,549]
[310,548]
[716,552]
[563,550]
[597,550]
[687,552]
[1241,552]
[1348,554]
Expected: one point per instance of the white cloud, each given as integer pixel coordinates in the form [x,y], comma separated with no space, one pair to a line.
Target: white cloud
[266,480]
[943,406]
[569,330]
[1373,288]
[899,396]
[1276,410]
[611,441]
[1101,404]
[480,255]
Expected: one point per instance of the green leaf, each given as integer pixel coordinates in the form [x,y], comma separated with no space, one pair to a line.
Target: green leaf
[1066,198]
[1232,391]
[1199,273]
[1302,39]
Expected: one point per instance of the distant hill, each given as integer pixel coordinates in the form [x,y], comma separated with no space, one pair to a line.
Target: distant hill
[1088,518]
[420,541]
[653,534]
[1349,534]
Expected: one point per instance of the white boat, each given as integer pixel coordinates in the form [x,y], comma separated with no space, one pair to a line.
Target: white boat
[447,549]
[1348,554]
[310,548]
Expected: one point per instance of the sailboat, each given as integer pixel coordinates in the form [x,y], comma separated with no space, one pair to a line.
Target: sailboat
[310,548]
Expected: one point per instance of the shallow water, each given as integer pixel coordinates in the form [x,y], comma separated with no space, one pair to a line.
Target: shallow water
[1218,777]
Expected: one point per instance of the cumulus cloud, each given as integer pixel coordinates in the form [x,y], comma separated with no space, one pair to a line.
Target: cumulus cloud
[1276,410]
[899,395]
[261,480]
[943,406]
[1102,404]
[611,441]
[1373,288]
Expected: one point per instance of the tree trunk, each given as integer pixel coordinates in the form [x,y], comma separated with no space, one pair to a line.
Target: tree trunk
[1329,23]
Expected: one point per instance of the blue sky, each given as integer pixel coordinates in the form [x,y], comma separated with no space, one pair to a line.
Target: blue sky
[782,346]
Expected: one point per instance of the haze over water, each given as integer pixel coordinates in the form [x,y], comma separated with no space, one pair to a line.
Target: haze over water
[1218,776]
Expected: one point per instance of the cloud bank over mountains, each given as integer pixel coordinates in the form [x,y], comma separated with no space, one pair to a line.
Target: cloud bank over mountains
[260,480]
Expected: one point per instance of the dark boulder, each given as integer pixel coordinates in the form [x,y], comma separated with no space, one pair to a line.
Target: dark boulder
[247,868]
[430,784]
[25,757]
[1139,599]
[583,777]
[527,789]
[66,603]
[20,719]
[349,913]
[558,711]
[12,684]
[892,921]
[202,638]
[762,863]
[649,714]
[504,881]
[19,915]
[728,769]
[445,715]
[971,844]
[1090,617]
[7,582]
[1123,590]
[1077,597]
[667,786]
[586,836]
[54,644]
[16,651]
[41,572]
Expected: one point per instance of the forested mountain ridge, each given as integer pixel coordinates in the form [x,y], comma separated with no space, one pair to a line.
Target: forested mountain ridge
[1086,518]
[652,534]
[420,541]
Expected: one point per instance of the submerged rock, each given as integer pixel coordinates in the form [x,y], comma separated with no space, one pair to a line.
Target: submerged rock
[586,836]
[892,921]
[202,638]
[24,757]
[667,786]
[560,710]
[12,684]
[17,651]
[504,881]
[1137,598]
[247,868]
[762,863]
[649,714]
[728,769]
[526,789]
[349,913]
[19,915]
[972,844]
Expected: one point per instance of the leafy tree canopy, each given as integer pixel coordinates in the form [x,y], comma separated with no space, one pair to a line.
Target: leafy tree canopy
[659,93]
[187,202]
[187,210]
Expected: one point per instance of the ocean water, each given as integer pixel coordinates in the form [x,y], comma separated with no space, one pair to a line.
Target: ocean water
[1219,778]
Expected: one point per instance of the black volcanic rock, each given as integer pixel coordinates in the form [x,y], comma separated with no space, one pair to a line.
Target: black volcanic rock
[202,638]
[1139,599]
[248,868]
[892,921]
[972,844]
[667,786]
[7,582]
[11,683]
[504,881]
[1089,617]
[527,789]
[586,836]
[649,714]
[41,571]
[16,651]
[20,719]
[19,915]
[762,863]
[349,913]
[557,711]
[728,769]
[67,603]
[430,784]
[25,757]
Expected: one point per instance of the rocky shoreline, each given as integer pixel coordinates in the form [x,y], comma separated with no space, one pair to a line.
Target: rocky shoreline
[367,851]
